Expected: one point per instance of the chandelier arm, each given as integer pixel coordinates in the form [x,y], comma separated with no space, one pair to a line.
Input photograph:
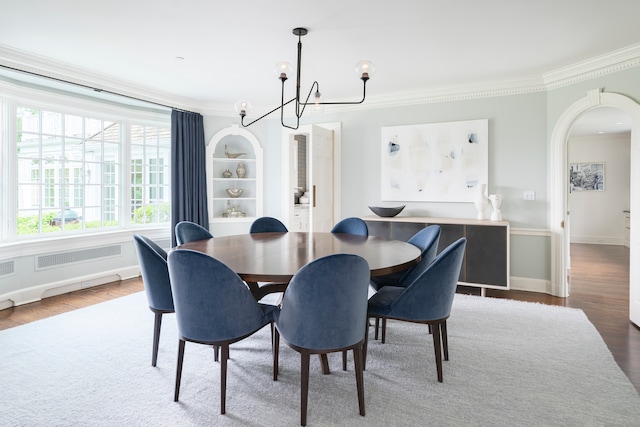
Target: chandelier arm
[306,102]
[364,93]
[265,115]
[297,99]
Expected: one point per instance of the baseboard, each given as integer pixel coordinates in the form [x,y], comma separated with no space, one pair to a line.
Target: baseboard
[531,285]
[596,240]
[37,293]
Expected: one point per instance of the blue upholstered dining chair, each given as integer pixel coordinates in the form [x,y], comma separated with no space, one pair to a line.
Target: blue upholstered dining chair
[427,241]
[213,307]
[324,310]
[187,231]
[352,225]
[428,299]
[155,277]
[267,224]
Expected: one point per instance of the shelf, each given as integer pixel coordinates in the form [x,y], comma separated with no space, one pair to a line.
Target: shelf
[236,140]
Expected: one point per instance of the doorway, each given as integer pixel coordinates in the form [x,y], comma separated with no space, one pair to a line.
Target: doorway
[599,186]
[320,144]
[559,185]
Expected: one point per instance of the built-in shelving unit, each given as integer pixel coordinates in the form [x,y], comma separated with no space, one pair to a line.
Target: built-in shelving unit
[248,206]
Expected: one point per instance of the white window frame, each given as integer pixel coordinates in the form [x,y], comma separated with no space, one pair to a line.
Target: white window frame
[13,95]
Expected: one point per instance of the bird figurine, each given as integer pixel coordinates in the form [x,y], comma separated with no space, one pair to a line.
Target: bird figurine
[232,155]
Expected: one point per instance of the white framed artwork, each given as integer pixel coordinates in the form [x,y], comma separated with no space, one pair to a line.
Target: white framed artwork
[437,162]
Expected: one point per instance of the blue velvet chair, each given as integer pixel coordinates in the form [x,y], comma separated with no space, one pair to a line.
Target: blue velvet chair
[351,225]
[213,307]
[427,241]
[324,310]
[155,277]
[428,299]
[187,231]
[267,224]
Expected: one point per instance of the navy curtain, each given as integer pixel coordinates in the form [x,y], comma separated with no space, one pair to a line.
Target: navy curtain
[188,170]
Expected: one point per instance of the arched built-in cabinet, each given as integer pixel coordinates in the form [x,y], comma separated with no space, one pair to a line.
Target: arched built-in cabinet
[227,214]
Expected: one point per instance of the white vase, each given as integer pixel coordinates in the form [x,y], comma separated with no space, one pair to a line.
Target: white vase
[496,201]
[481,201]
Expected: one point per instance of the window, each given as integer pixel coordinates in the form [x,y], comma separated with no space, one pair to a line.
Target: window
[70,175]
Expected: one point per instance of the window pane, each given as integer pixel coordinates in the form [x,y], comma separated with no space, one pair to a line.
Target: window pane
[68,172]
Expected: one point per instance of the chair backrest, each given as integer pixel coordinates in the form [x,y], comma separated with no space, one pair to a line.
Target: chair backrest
[155,275]
[267,224]
[427,240]
[351,225]
[325,304]
[430,295]
[187,231]
[212,302]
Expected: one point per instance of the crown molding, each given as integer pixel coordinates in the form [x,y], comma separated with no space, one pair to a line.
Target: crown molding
[93,82]
[612,62]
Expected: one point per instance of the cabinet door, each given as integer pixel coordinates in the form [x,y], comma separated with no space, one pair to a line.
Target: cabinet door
[486,255]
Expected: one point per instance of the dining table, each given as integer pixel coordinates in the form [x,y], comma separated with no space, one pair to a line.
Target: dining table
[275,257]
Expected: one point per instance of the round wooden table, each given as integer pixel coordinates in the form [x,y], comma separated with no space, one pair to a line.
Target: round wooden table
[276,257]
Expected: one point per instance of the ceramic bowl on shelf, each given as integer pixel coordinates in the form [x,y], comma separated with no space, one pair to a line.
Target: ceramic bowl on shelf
[234,192]
[386,212]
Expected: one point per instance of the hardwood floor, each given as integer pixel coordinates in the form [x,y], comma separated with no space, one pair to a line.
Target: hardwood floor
[599,285]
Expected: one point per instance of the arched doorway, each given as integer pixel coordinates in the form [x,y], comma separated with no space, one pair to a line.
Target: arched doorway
[559,191]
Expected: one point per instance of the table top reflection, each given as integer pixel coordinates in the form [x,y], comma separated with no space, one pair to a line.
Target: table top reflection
[276,257]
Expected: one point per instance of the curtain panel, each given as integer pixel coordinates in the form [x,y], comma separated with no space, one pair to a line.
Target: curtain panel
[188,170]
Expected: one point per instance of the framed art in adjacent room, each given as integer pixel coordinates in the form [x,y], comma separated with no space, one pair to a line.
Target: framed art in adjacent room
[586,176]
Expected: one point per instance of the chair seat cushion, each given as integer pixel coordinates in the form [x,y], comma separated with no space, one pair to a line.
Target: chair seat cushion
[380,303]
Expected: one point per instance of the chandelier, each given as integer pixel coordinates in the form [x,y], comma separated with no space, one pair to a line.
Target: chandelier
[364,70]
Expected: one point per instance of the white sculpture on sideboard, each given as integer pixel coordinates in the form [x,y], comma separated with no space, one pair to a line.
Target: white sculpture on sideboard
[481,201]
[496,201]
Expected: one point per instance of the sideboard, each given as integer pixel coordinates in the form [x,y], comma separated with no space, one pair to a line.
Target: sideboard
[486,260]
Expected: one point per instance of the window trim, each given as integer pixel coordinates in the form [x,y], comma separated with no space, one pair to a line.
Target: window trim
[13,94]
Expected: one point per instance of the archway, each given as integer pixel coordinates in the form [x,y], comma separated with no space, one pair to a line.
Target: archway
[559,195]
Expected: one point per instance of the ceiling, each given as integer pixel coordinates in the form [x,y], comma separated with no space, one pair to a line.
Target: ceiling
[229,48]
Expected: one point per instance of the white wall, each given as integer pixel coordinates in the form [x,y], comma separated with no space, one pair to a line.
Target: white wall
[596,216]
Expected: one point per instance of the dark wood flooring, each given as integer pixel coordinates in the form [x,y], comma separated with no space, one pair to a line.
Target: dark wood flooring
[599,285]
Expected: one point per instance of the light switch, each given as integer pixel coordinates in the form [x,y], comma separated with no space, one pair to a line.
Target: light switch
[529,195]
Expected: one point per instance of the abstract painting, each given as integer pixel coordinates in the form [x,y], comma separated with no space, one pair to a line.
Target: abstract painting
[437,162]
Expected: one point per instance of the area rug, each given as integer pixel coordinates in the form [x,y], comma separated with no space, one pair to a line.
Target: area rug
[511,364]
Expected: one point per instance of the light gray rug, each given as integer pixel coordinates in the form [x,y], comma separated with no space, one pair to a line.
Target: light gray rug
[512,363]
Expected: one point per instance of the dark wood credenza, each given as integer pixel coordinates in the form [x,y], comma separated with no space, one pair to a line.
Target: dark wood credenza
[486,260]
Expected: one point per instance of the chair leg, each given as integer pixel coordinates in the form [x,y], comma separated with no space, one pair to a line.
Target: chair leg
[304,387]
[445,340]
[324,362]
[364,349]
[276,346]
[375,336]
[344,360]
[216,350]
[224,357]
[357,358]
[157,323]
[438,349]
[179,369]
[384,330]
